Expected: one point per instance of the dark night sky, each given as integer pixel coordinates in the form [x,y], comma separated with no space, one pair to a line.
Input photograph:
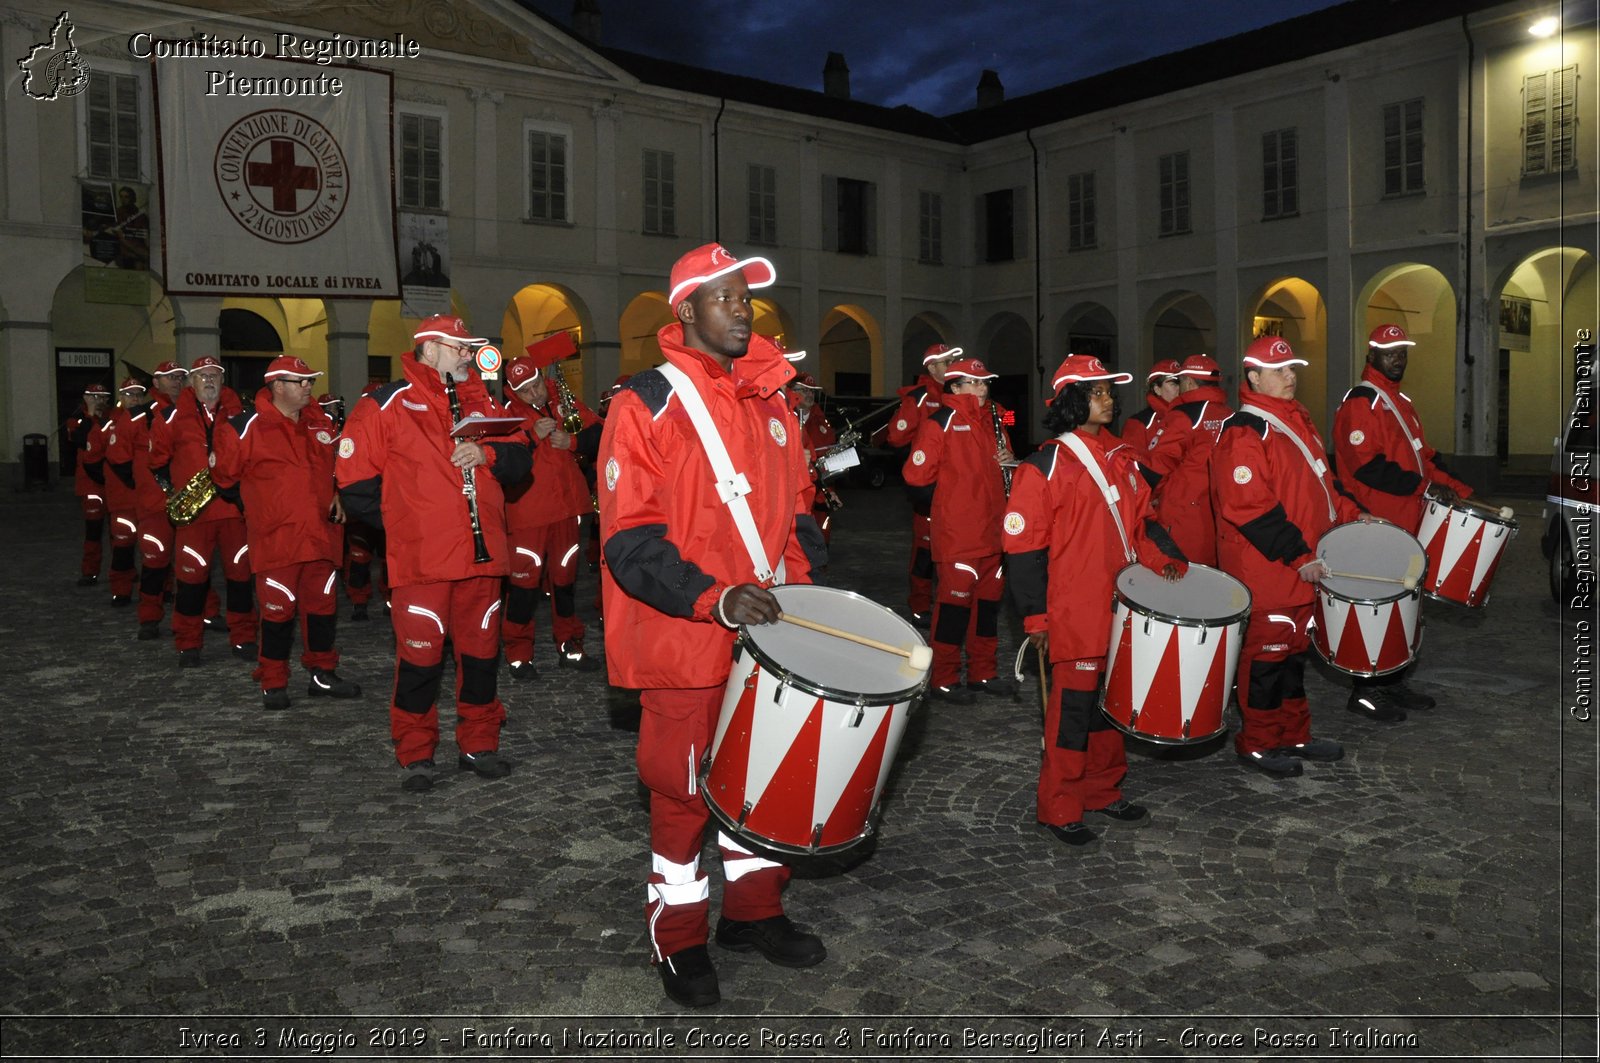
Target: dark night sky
[926,54]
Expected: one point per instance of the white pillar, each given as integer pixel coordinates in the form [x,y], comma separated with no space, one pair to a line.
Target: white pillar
[348,347]
[197,329]
[485,169]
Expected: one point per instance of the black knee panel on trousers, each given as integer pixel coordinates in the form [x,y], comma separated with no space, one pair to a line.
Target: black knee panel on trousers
[320,629]
[1266,684]
[922,563]
[93,529]
[1078,712]
[153,580]
[359,575]
[241,596]
[988,625]
[122,558]
[190,598]
[277,639]
[951,624]
[416,686]
[565,600]
[1294,675]
[520,603]
[479,681]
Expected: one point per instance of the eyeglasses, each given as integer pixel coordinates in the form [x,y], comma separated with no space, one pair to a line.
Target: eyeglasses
[301,382]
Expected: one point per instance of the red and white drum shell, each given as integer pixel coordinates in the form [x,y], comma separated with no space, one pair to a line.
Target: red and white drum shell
[810,724]
[1464,545]
[1369,627]
[1174,650]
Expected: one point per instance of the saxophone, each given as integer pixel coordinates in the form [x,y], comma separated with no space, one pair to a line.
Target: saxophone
[571,419]
[185,504]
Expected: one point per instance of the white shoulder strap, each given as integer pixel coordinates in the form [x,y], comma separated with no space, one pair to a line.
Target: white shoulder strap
[1318,467]
[1080,450]
[731,485]
[1416,445]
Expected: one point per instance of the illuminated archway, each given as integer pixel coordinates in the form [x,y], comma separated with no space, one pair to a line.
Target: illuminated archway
[1420,300]
[538,311]
[389,335]
[849,352]
[645,316]
[1544,299]
[1292,308]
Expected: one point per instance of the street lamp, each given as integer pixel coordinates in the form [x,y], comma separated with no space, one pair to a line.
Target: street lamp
[1545,27]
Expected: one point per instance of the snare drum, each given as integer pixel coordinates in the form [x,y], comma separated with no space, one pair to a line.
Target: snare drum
[810,724]
[1464,544]
[1369,627]
[1174,648]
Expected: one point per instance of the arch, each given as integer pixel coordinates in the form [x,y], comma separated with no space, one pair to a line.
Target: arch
[1086,328]
[1419,299]
[389,331]
[1293,308]
[1007,345]
[921,332]
[252,330]
[641,319]
[849,352]
[537,311]
[773,321]
[1180,323]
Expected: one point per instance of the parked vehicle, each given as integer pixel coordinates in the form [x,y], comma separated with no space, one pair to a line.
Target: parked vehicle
[1573,498]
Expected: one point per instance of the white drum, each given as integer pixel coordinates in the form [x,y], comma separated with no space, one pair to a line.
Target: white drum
[1464,543]
[1373,625]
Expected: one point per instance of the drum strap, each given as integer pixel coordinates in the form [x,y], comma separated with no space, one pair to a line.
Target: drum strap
[1416,444]
[731,485]
[1080,450]
[1320,468]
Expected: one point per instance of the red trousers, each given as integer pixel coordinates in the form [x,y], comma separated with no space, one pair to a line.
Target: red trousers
[196,543]
[466,611]
[1084,757]
[1271,685]
[124,544]
[920,600]
[675,731]
[305,591]
[94,531]
[967,613]
[363,560]
[155,562]
[544,560]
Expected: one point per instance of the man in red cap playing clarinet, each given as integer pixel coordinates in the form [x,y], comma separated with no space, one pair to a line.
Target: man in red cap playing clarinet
[686,563]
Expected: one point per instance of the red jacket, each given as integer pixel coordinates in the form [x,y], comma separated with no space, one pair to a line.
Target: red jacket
[955,448]
[1140,429]
[89,476]
[1182,454]
[818,435]
[1272,507]
[917,403]
[1063,550]
[283,472]
[558,489]
[669,542]
[394,473]
[1377,464]
[184,445]
[132,486]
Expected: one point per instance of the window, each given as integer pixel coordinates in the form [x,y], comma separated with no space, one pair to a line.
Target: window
[1280,174]
[1402,148]
[1550,122]
[763,204]
[548,174]
[113,126]
[1080,212]
[1174,172]
[421,162]
[930,228]
[660,202]
[1000,225]
[849,216]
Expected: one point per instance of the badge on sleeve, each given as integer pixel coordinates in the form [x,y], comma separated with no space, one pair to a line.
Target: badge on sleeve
[900,424]
[1357,437]
[324,437]
[1242,474]
[1014,523]
[347,447]
[918,457]
[612,472]
[775,426]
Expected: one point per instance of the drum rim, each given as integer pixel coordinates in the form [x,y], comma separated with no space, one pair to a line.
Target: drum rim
[1222,728]
[1169,618]
[1474,511]
[810,686]
[1400,595]
[727,822]
[1417,591]
[1416,650]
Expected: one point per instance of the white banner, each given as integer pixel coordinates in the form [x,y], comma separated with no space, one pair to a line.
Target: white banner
[276,179]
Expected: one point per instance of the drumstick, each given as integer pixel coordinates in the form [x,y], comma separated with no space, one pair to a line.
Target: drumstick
[1408,582]
[920,657]
[1503,512]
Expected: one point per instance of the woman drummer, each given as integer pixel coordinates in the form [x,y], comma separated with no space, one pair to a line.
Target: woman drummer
[1078,514]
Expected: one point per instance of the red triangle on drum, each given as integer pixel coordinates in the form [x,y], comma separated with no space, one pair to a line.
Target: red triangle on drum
[1162,713]
[784,812]
[1209,701]
[730,769]
[850,812]
[1119,681]
[1396,643]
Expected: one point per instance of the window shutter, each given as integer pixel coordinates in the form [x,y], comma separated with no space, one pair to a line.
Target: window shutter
[1535,100]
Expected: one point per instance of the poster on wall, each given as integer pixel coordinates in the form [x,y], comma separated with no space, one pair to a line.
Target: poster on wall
[285,188]
[116,241]
[1516,323]
[425,265]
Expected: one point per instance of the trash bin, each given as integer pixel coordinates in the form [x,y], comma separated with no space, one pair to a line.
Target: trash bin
[35,461]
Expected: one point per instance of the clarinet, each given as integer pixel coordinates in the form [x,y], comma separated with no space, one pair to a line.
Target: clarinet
[469,483]
[999,443]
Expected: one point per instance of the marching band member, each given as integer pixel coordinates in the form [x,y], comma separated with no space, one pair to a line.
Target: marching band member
[1079,512]
[917,403]
[363,553]
[819,435]
[1181,455]
[589,449]
[89,476]
[681,573]
[437,500]
[1142,427]
[277,461]
[139,499]
[961,446]
[121,498]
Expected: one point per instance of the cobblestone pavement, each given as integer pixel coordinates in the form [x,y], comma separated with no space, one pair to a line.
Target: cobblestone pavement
[178,863]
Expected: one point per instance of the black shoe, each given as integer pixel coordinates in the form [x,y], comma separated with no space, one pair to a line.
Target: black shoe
[358,613]
[954,695]
[489,764]
[1315,749]
[88,581]
[689,978]
[571,655]
[246,651]
[1076,834]
[327,684]
[120,600]
[1410,700]
[998,687]
[215,622]
[523,672]
[775,938]
[1274,762]
[149,631]
[275,699]
[921,620]
[189,658]
[1125,812]
[1366,701]
[418,776]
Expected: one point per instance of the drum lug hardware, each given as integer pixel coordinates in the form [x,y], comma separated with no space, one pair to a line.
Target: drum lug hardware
[783,688]
[744,813]
[861,714]
[751,679]
[1147,625]
[1186,730]
[816,837]
[1201,641]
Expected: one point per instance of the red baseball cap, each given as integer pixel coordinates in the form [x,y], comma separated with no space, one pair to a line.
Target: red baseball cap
[288,367]
[710,261]
[1271,352]
[169,368]
[971,368]
[446,327]
[806,380]
[1082,368]
[519,371]
[1385,336]
[940,350]
[131,384]
[1200,365]
[616,385]
[97,389]
[205,361]
[1165,367]
[327,399]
